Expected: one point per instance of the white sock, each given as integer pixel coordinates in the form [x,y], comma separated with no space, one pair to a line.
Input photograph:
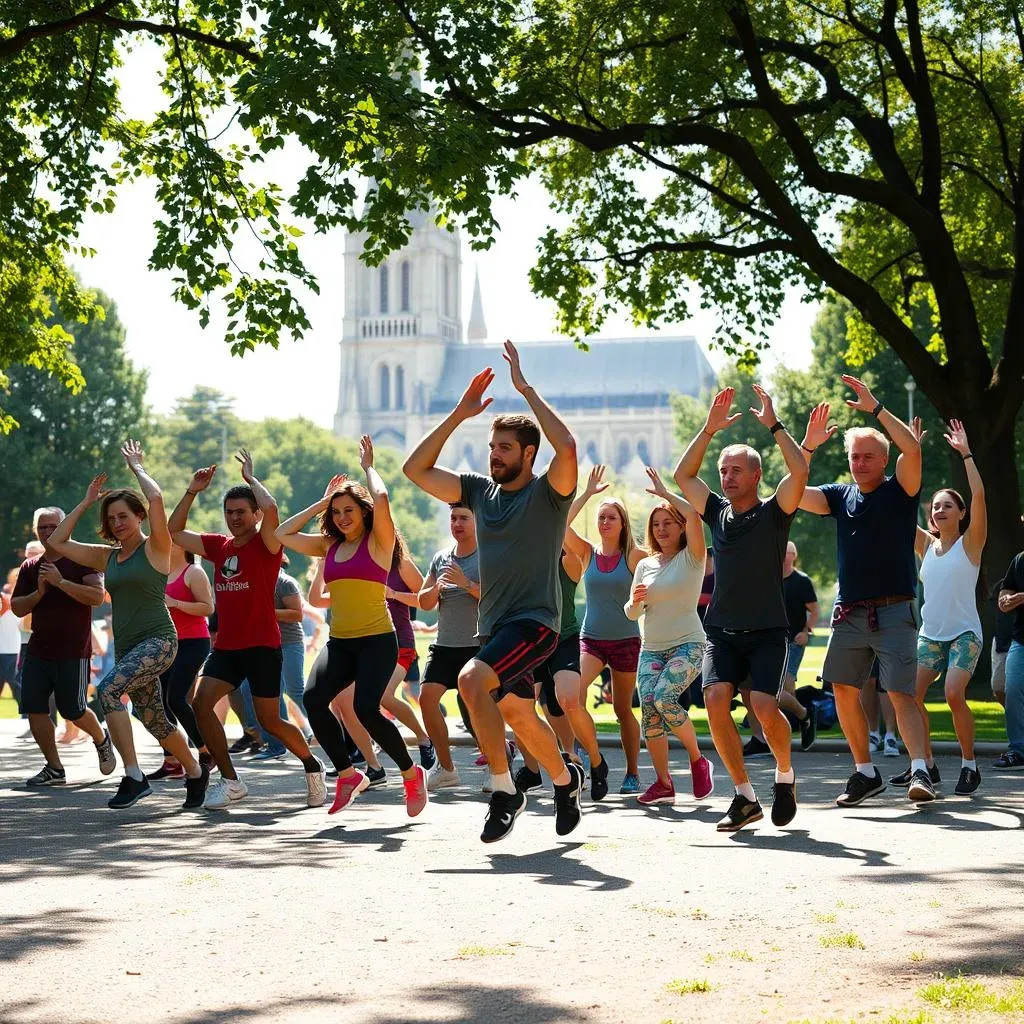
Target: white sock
[503,783]
[867,769]
[789,776]
[745,789]
[134,772]
[918,764]
[964,763]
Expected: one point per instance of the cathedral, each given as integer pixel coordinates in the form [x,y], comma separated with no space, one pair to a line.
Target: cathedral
[405,362]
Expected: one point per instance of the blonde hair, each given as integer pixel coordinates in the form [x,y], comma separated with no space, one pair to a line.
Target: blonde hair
[627,543]
[856,433]
[752,454]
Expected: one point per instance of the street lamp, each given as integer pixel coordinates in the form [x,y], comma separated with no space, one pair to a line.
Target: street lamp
[911,385]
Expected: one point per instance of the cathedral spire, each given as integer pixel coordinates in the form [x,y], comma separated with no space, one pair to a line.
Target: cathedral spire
[477,325]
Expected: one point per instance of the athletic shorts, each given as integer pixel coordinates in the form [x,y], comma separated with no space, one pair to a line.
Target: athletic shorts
[66,678]
[406,656]
[731,656]
[261,666]
[565,658]
[794,658]
[513,651]
[445,663]
[961,652]
[854,646]
[618,655]
[998,670]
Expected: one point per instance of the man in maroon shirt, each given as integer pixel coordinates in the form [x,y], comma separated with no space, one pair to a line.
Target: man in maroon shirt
[59,595]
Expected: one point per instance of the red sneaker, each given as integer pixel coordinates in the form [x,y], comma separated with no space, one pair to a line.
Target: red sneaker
[170,769]
[702,775]
[659,793]
[347,789]
[416,795]
[481,760]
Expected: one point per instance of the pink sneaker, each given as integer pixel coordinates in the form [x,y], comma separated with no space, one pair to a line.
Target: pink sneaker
[481,760]
[348,788]
[702,775]
[659,793]
[416,795]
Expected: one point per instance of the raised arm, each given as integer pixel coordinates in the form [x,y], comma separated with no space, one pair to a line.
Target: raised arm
[187,539]
[563,471]
[158,544]
[264,502]
[314,545]
[92,555]
[791,487]
[574,542]
[383,535]
[977,529]
[420,466]
[818,432]
[694,528]
[908,465]
[686,474]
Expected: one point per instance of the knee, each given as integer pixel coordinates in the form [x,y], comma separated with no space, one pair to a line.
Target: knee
[718,699]
[567,695]
[956,695]
[473,684]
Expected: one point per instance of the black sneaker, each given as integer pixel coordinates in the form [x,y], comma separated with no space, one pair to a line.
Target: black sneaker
[809,727]
[904,777]
[969,781]
[245,744]
[332,774]
[205,760]
[427,756]
[756,748]
[920,789]
[567,801]
[377,777]
[48,777]
[741,812]
[128,792]
[859,787]
[783,803]
[526,780]
[599,779]
[195,789]
[502,812]
[1011,761]
[105,753]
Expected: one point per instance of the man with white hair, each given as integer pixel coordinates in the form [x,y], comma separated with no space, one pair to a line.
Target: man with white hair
[746,623]
[874,615]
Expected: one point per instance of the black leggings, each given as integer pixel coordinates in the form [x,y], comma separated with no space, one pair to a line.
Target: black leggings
[177,681]
[368,662]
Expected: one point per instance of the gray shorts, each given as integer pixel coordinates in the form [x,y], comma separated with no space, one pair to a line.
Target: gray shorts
[853,647]
[998,670]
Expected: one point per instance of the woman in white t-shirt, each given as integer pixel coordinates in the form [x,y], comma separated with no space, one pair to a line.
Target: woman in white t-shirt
[666,587]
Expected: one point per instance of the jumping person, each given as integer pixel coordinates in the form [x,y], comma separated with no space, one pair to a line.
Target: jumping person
[247,645]
[356,541]
[876,520]
[59,594]
[746,624]
[135,570]
[665,591]
[520,524]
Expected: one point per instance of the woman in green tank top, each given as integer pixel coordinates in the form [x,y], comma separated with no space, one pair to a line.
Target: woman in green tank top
[136,576]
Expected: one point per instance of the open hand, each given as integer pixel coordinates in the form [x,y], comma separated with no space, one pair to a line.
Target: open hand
[657,484]
[718,415]
[201,479]
[818,429]
[865,400]
[244,459]
[957,437]
[334,485]
[133,454]
[365,452]
[96,490]
[595,482]
[917,429]
[766,414]
[511,357]
[472,402]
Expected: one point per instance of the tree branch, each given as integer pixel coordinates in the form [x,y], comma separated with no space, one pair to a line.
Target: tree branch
[12,46]
[634,257]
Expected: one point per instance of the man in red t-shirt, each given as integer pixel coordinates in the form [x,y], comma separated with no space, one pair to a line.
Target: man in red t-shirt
[59,595]
[248,641]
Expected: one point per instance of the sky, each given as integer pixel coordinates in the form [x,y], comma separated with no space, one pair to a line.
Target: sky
[301,377]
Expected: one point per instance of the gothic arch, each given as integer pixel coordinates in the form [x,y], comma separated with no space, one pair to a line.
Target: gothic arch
[405,288]
[384,288]
[384,386]
[399,387]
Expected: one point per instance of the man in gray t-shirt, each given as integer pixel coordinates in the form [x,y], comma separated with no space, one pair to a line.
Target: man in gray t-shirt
[520,523]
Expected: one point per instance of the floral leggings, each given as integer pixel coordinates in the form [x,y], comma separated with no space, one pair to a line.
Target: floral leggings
[137,674]
[663,677]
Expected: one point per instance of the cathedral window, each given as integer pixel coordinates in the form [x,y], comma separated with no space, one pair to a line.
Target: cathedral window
[446,306]
[384,288]
[399,387]
[385,387]
[406,286]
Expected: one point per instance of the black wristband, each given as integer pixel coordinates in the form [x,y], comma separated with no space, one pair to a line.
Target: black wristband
[779,425]
[969,455]
[810,451]
[877,409]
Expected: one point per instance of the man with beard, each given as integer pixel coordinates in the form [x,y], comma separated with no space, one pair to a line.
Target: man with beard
[520,523]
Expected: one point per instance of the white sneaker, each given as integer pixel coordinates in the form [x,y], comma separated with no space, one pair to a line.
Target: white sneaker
[439,778]
[891,748]
[224,792]
[874,743]
[316,788]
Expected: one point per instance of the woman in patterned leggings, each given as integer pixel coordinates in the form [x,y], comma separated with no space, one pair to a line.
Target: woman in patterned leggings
[664,595]
[136,575]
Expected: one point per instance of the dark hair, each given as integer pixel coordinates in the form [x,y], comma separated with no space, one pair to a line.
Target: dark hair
[453,505]
[242,491]
[361,496]
[131,498]
[401,550]
[652,545]
[526,431]
[190,558]
[960,504]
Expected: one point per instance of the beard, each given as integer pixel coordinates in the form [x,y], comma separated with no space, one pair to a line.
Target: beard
[503,474]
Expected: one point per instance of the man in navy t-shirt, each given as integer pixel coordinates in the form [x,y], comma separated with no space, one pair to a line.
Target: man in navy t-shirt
[874,616]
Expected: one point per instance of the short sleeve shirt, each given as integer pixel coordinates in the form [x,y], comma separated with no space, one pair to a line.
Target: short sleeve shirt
[286,586]
[798,591]
[457,608]
[749,551]
[1014,580]
[874,540]
[519,537]
[61,626]
[244,581]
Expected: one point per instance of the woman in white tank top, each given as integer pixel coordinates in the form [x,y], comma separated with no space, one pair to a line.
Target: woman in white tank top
[950,637]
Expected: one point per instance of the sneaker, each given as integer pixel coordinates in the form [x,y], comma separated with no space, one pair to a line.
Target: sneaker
[128,792]
[440,778]
[48,777]
[567,801]
[510,753]
[859,787]
[502,812]
[271,752]
[783,803]
[920,789]
[658,793]
[206,761]
[416,792]
[333,773]
[376,777]
[890,748]
[1011,761]
[809,727]
[105,753]
[427,756]
[316,788]
[245,744]
[875,742]
[583,759]
[969,781]
[481,760]
[195,789]
[347,789]
[630,785]
[702,775]
[741,812]
[170,769]
[756,748]
[598,779]
[904,777]
[525,780]
[224,792]
[357,759]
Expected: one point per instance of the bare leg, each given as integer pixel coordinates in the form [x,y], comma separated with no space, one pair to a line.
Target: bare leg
[521,715]
[119,724]
[657,747]
[718,702]
[268,714]
[963,721]
[559,725]
[177,745]
[888,713]
[852,721]
[45,735]
[477,683]
[912,723]
[91,724]
[925,677]
[572,696]
[623,688]
[777,733]
[755,726]
[344,707]
[437,727]
[208,695]
[869,701]
[405,714]
[687,735]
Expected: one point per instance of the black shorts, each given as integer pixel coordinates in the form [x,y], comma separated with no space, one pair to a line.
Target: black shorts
[445,663]
[566,658]
[513,651]
[261,666]
[66,678]
[754,659]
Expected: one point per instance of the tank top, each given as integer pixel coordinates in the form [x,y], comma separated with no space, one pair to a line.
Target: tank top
[569,625]
[137,600]
[607,593]
[356,586]
[186,625]
[400,612]
[949,584]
